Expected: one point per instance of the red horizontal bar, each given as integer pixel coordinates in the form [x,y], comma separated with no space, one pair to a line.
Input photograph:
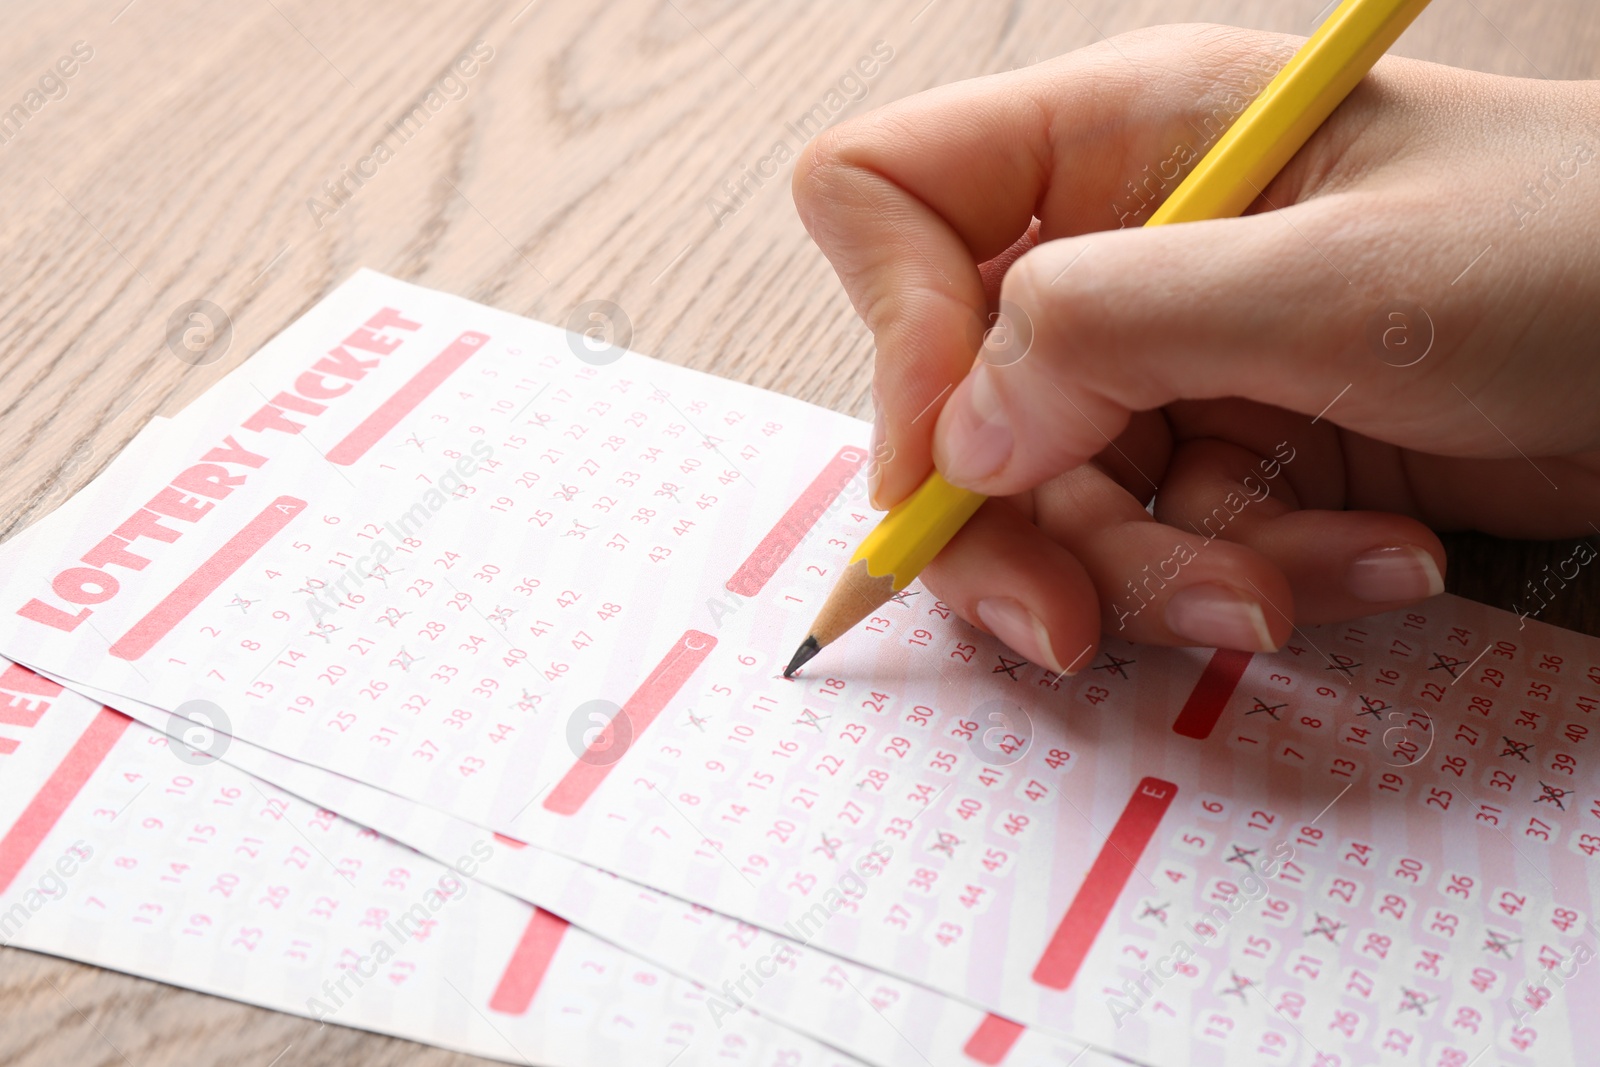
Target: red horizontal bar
[991,1042]
[207,578]
[802,515]
[1211,694]
[406,398]
[613,742]
[58,791]
[1092,904]
[523,975]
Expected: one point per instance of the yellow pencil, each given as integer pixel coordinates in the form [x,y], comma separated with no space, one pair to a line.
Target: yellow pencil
[1225,182]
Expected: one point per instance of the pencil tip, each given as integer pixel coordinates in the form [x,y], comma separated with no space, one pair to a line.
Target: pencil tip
[802,655]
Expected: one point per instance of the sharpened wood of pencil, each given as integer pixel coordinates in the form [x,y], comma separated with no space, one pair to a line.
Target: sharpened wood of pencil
[1227,180]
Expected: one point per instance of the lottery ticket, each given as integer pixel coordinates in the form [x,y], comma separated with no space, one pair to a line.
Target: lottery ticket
[563,617]
[119,849]
[877,1017]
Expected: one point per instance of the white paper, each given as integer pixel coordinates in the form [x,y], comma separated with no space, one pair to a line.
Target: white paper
[120,850]
[879,1018]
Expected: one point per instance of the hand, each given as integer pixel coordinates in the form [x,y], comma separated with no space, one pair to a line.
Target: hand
[1399,335]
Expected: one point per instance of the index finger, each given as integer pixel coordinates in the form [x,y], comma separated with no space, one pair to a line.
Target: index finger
[908,200]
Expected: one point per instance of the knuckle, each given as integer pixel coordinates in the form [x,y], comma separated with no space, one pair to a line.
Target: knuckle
[1064,309]
[825,167]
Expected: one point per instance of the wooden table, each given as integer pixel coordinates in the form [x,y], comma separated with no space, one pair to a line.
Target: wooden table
[583,159]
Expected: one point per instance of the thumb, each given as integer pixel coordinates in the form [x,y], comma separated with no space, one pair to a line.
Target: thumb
[1094,328]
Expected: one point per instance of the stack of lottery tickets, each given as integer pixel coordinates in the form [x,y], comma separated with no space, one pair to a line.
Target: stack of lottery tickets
[424,676]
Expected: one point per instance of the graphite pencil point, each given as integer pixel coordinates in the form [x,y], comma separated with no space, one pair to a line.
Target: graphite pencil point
[802,655]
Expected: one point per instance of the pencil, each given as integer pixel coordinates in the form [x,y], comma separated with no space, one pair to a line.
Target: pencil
[1227,180]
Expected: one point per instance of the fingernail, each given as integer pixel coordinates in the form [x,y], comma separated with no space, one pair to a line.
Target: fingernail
[1020,628]
[973,439]
[874,454]
[1389,574]
[1218,617]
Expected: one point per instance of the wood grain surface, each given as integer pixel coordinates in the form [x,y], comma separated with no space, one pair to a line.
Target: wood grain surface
[585,158]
